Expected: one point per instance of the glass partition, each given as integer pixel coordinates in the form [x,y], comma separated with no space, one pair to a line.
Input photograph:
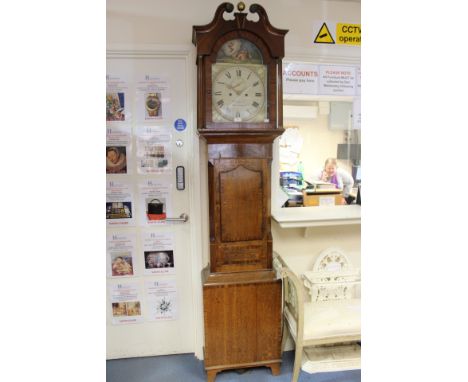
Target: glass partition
[320,154]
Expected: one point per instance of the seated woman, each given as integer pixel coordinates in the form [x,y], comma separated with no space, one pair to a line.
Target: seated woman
[333,174]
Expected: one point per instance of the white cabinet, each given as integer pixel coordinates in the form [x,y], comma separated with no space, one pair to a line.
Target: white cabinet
[341,115]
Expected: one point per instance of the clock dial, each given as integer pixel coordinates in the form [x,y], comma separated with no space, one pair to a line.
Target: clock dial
[239,93]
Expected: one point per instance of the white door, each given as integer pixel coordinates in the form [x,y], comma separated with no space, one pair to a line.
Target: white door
[177,331]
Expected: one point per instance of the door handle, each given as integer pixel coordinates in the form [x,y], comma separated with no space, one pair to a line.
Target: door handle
[183,218]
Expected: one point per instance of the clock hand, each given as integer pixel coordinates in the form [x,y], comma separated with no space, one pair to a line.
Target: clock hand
[233,87]
[239,95]
[242,91]
[236,86]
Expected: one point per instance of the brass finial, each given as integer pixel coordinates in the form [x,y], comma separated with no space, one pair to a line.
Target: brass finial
[240,6]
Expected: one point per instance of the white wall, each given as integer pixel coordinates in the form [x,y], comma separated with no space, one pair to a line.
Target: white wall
[151,23]
[304,249]
[171,21]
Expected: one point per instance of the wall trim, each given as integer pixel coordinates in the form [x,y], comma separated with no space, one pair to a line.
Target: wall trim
[312,56]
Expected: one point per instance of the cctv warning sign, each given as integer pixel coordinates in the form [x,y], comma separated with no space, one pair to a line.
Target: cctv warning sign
[330,32]
[348,34]
[324,36]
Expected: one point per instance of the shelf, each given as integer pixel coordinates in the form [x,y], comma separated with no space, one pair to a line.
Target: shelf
[315,98]
[331,358]
[306,217]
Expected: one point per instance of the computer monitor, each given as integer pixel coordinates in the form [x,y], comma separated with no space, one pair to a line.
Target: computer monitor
[350,151]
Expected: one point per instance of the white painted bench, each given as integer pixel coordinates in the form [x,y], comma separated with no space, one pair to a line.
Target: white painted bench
[325,323]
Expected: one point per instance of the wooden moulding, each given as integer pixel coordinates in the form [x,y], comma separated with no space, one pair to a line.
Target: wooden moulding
[252,277]
[240,135]
[274,37]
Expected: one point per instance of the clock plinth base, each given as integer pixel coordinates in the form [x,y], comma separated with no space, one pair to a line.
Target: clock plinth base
[242,314]
[275,368]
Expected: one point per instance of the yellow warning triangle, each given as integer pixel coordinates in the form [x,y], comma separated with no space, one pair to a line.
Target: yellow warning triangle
[324,36]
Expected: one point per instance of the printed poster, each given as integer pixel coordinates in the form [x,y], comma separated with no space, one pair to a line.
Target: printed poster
[154,150]
[119,204]
[152,98]
[336,33]
[158,251]
[126,304]
[300,79]
[155,201]
[358,80]
[337,80]
[310,79]
[121,249]
[161,298]
[118,150]
[116,99]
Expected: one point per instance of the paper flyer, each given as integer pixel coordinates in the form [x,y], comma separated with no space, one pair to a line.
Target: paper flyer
[119,204]
[154,150]
[118,150]
[152,98]
[337,80]
[116,99]
[158,251]
[161,298]
[155,202]
[300,78]
[126,305]
[358,80]
[121,249]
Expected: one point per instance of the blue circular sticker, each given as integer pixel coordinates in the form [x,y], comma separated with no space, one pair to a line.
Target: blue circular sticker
[180,124]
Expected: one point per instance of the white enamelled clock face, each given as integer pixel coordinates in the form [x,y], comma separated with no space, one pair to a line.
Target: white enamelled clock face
[239,93]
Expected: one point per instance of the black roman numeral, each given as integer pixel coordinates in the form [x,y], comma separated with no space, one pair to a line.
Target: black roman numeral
[255,104]
[228,75]
[217,93]
[220,103]
[258,94]
[255,83]
[238,72]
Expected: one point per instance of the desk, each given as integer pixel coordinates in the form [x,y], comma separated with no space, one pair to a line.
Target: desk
[322,198]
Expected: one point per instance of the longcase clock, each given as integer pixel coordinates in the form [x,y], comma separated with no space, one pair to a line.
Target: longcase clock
[239,114]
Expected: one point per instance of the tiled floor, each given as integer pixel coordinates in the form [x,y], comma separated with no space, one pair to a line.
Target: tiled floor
[186,368]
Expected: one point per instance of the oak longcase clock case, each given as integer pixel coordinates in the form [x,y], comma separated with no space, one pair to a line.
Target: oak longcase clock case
[239,114]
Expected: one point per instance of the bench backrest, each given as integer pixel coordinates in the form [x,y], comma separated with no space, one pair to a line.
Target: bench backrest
[333,277]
